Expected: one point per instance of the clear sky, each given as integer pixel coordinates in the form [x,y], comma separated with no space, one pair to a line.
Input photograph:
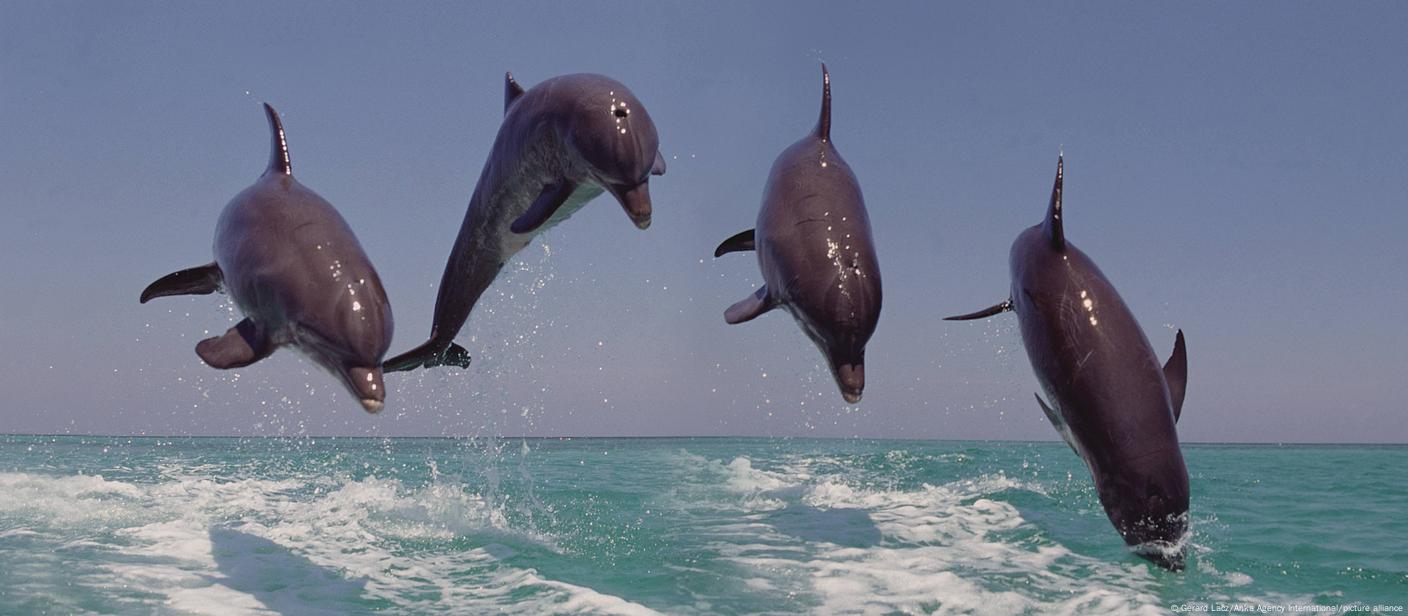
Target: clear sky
[1239,170]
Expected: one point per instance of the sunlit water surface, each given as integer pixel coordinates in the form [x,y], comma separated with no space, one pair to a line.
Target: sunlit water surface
[677,526]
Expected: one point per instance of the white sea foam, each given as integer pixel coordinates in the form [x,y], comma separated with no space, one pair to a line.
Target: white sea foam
[950,548]
[256,546]
[67,500]
[777,532]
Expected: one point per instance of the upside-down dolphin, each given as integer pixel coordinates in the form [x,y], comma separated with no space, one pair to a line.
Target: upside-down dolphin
[1109,398]
[296,271]
[562,143]
[815,252]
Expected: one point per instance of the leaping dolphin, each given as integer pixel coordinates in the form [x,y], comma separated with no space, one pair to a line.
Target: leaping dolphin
[296,271]
[561,144]
[815,251]
[1109,398]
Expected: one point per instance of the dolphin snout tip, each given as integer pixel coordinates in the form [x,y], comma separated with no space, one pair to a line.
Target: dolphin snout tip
[851,379]
[367,386]
[1164,555]
[642,223]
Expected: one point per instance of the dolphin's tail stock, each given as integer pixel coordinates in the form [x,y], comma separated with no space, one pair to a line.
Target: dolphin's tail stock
[429,355]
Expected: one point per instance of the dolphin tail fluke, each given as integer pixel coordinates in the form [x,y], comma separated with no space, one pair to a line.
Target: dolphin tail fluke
[750,308]
[1176,375]
[202,280]
[823,123]
[429,355]
[455,355]
[278,152]
[1004,306]
[740,242]
[240,346]
[511,91]
[1055,229]
[548,201]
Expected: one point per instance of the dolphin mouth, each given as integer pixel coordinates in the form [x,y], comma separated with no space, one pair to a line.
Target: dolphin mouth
[635,200]
[368,387]
[850,377]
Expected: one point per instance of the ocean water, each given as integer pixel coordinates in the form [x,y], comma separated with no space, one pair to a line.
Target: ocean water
[677,526]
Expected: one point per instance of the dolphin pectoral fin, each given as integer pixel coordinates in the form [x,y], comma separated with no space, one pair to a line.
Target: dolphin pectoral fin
[201,280]
[749,309]
[1176,375]
[429,355]
[241,346]
[511,91]
[740,242]
[659,167]
[1004,306]
[1058,423]
[552,197]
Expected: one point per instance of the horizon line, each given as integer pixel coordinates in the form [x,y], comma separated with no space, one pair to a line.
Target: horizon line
[662,437]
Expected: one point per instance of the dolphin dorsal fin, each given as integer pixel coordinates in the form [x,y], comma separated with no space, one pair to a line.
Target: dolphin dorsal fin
[823,123]
[1176,375]
[278,152]
[1053,226]
[511,91]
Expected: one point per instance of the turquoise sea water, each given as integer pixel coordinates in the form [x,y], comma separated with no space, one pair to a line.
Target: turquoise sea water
[677,526]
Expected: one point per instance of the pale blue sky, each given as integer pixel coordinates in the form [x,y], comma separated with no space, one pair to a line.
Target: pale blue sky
[1238,170]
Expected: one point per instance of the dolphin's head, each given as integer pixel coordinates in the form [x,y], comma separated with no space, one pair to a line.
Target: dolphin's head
[351,338]
[613,134]
[367,385]
[845,354]
[840,320]
[1146,499]
[844,349]
[1161,539]
[850,377]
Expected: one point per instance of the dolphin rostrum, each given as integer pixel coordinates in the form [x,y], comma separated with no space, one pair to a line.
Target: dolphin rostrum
[296,271]
[1108,396]
[562,143]
[815,252]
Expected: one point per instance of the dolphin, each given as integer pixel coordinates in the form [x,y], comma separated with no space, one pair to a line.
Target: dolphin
[815,251]
[562,143]
[296,271]
[1108,397]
